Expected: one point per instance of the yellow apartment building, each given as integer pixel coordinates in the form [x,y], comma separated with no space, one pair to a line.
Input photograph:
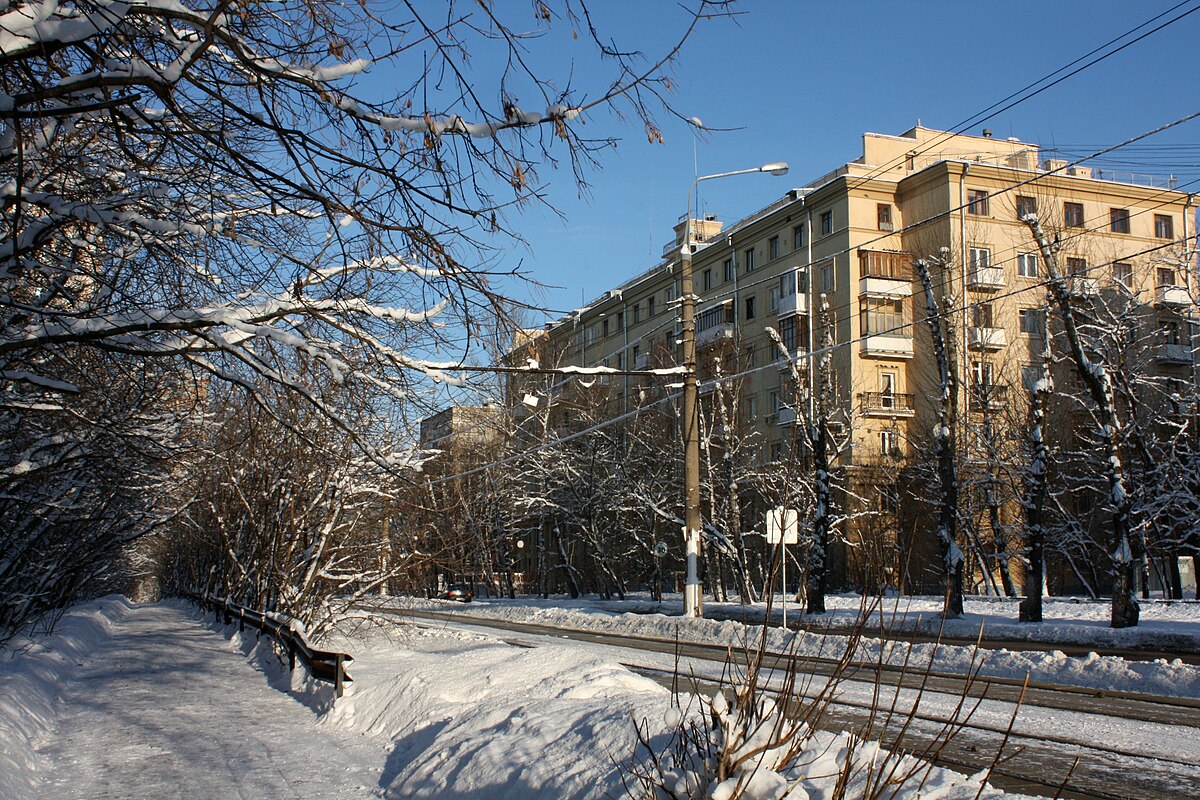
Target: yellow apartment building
[847,241]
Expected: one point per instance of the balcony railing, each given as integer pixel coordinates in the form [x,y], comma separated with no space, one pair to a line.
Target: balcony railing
[714,333]
[792,304]
[1172,296]
[987,339]
[988,397]
[1082,286]
[890,403]
[1174,353]
[986,278]
[887,345]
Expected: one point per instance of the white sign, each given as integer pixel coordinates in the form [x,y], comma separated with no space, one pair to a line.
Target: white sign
[783,523]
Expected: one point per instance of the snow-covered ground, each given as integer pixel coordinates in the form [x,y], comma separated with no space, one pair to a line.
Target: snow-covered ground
[1169,677]
[152,701]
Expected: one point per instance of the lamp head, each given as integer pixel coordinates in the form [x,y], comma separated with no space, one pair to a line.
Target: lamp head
[777,168]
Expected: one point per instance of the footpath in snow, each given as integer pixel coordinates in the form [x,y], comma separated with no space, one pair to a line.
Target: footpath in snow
[129,701]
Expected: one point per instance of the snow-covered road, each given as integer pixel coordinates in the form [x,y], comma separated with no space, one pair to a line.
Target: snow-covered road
[170,708]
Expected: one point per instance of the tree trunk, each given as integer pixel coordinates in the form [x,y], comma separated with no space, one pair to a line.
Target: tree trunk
[944,437]
[1095,377]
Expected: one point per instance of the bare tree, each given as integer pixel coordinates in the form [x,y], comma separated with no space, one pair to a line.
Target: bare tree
[215,186]
[944,436]
[1098,381]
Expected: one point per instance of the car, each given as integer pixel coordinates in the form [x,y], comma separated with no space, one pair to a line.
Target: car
[458,591]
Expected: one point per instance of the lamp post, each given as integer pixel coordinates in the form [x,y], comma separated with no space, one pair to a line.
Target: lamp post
[692,604]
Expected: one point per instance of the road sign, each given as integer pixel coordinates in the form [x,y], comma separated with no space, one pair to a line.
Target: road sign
[783,523]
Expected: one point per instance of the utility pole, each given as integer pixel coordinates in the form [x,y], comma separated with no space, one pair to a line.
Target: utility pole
[692,597]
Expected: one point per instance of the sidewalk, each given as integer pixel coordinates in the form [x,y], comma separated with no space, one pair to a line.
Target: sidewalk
[170,708]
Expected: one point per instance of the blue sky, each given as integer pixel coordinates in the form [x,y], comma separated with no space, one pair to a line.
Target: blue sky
[801,81]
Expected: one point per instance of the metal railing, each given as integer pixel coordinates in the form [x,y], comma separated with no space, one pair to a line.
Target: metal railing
[886,401]
[324,665]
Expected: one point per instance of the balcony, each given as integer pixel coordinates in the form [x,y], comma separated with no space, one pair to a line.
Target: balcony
[885,273]
[1172,296]
[792,304]
[1173,354]
[887,346]
[714,334]
[1083,287]
[785,416]
[986,279]
[988,397]
[886,404]
[987,339]
[798,359]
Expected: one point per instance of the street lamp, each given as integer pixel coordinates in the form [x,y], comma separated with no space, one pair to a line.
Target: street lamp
[692,602]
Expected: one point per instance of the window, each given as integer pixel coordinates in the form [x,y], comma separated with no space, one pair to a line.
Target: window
[887,389]
[706,280]
[670,295]
[827,277]
[1164,226]
[775,404]
[1033,322]
[604,328]
[621,360]
[774,295]
[1122,273]
[980,258]
[776,451]
[883,315]
[751,407]
[773,248]
[1073,215]
[1077,266]
[728,267]
[1026,206]
[1168,331]
[889,443]
[1118,220]
[650,310]
[797,237]
[620,320]
[637,313]
[1031,374]
[981,373]
[981,315]
[793,332]
[883,216]
[1027,265]
[637,356]
[748,258]
[750,307]
[1165,276]
[826,223]
[589,335]
[977,202]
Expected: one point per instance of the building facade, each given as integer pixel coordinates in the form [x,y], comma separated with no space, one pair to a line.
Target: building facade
[829,268]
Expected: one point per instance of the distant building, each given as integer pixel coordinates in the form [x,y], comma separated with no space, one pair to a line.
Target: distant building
[463,426]
[848,240]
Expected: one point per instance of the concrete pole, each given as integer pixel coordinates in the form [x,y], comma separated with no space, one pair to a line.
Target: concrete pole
[693,603]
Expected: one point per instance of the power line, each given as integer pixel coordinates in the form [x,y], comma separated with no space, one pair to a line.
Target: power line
[712,382]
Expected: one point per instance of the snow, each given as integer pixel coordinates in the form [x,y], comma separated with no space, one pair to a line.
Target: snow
[1163,625]
[144,701]
[155,701]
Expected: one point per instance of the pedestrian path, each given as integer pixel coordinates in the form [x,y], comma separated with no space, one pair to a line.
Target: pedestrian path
[171,709]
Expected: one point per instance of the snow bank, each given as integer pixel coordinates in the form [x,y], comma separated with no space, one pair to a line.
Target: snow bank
[1161,677]
[32,672]
[469,716]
